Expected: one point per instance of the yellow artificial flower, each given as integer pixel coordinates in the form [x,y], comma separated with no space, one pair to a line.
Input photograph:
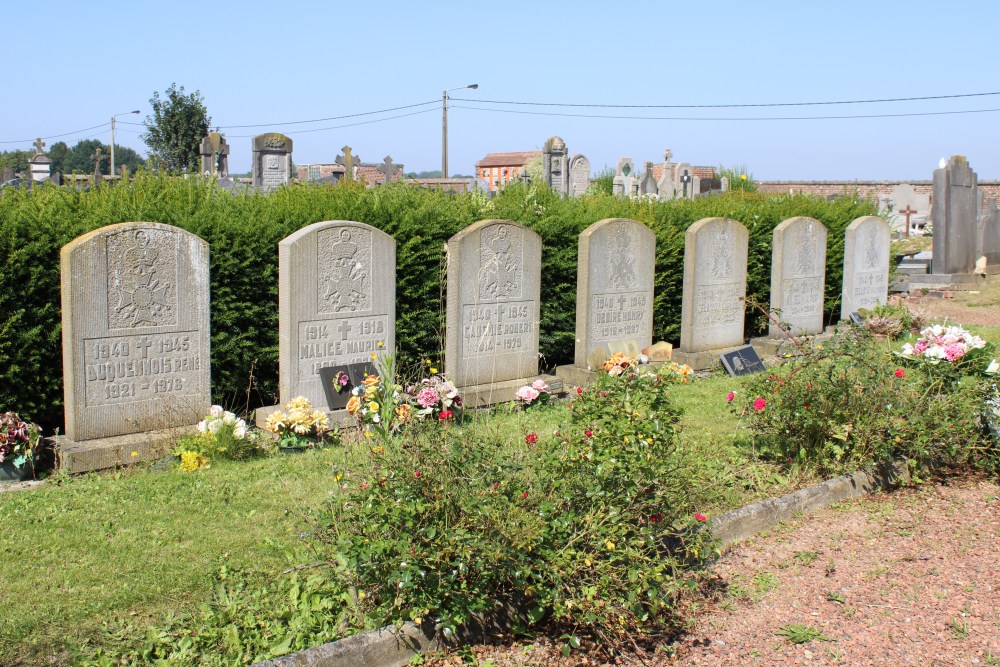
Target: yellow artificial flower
[191,461]
[353,404]
[371,380]
[277,421]
[299,403]
[373,407]
[403,412]
[320,420]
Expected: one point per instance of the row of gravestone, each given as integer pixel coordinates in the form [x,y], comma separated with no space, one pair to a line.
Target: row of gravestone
[135,306]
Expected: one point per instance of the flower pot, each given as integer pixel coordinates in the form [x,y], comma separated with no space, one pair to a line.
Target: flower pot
[11,473]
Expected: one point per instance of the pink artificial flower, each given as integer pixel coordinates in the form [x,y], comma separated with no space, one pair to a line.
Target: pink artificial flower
[730,396]
[954,351]
[920,346]
[541,385]
[428,397]
[759,404]
[527,394]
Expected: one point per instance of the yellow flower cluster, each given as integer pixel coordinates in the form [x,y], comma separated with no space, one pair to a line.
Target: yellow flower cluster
[191,461]
[300,418]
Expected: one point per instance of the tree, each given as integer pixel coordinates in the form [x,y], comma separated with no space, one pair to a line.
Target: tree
[175,129]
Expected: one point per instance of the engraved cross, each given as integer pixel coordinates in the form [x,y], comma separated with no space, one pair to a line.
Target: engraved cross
[344,327]
[144,344]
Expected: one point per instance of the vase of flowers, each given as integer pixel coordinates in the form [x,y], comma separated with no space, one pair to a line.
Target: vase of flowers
[19,442]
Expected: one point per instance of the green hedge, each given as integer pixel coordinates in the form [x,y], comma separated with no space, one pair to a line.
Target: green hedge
[244,230]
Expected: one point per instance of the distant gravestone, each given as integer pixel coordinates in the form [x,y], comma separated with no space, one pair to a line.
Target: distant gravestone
[798,275]
[349,162]
[135,322]
[554,168]
[648,185]
[40,164]
[494,277]
[272,161]
[614,287]
[955,215]
[866,265]
[622,183]
[991,234]
[579,175]
[715,279]
[214,153]
[336,302]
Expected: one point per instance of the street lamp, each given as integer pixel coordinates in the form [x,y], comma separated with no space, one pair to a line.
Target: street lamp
[444,126]
[124,113]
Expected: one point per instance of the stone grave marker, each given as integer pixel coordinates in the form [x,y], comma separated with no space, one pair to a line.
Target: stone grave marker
[798,275]
[336,304]
[955,215]
[866,265]
[648,185]
[272,161]
[622,183]
[494,278]
[579,175]
[214,153]
[349,162]
[554,171]
[135,322]
[715,279]
[614,287]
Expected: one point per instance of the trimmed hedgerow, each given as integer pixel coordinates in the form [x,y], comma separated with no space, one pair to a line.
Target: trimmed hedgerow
[243,231]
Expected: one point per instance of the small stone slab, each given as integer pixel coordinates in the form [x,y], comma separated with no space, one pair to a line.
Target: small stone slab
[742,361]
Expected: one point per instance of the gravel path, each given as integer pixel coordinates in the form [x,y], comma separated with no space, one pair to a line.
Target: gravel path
[910,577]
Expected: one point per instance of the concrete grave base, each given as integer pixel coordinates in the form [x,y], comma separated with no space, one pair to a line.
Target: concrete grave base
[575,376]
[100,453]
[704,360]
[955,281]
[481,395]
[338,418]
[779,347]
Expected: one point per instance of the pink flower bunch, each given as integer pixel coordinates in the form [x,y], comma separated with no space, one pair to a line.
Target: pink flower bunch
[943,343]
[434,395]
[528,394]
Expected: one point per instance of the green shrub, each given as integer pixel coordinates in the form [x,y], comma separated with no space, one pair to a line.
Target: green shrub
[447,524]
[853,404]
[243,231]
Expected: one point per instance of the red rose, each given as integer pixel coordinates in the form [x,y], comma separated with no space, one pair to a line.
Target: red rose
[524,495]
[759,404]
[531,438]
[588,433]
[444,414]
[579,390]
[730,396]
[417,474]
[900,373]
[700,517]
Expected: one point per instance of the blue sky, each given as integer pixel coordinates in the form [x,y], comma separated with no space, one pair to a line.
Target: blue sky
[268,63]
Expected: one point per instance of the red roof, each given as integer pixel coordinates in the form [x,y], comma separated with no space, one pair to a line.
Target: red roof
[518,159]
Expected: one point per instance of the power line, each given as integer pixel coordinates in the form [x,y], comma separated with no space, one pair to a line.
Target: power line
[336,127]
[320,120]
[725,106]
[57,136]
[733,118]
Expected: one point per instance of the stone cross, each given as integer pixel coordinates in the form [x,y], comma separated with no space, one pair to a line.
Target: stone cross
[97,165]
[39,146]
[667,154]
[347,160]
[387,168]
[907,212]
[685,179]
[524,176]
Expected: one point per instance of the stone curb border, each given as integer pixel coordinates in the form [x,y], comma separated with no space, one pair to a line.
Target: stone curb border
[391,647]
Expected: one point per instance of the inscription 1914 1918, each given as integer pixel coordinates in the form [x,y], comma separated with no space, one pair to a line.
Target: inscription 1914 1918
[135,336]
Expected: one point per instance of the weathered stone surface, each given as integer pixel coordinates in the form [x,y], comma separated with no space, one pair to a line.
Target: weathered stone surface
[579,175]
[554,169]
[715,283]
[271,165]
[494,276]
[624,177]
[798,274]
[866,265]
[955,215]
[614,286]
[336,302]
[135,322]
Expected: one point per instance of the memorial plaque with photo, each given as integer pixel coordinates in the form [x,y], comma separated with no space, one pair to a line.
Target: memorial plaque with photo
[742,361]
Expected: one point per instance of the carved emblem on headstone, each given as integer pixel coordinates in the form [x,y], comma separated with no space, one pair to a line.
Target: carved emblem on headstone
[871,248]
[141,281]
[345,258]
[275,143]
[805,255]
[272,162]
[500,262]
[621,258]
[722,251]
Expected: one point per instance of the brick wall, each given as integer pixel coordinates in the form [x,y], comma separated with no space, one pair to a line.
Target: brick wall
[868,189]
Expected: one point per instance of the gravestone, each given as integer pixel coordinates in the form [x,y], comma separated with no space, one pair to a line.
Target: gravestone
[336,303]
[135,326]
[349,162]
[614,287]
[579,175]
[991,234]
[955,213]
[866,265]
[715,279]
[648,185]
[214,153]
[272,161]
[98,176]
[622,183]
[40,164]
[389,171]
[554,169]
[494,277]
[798,275]
[904,197]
